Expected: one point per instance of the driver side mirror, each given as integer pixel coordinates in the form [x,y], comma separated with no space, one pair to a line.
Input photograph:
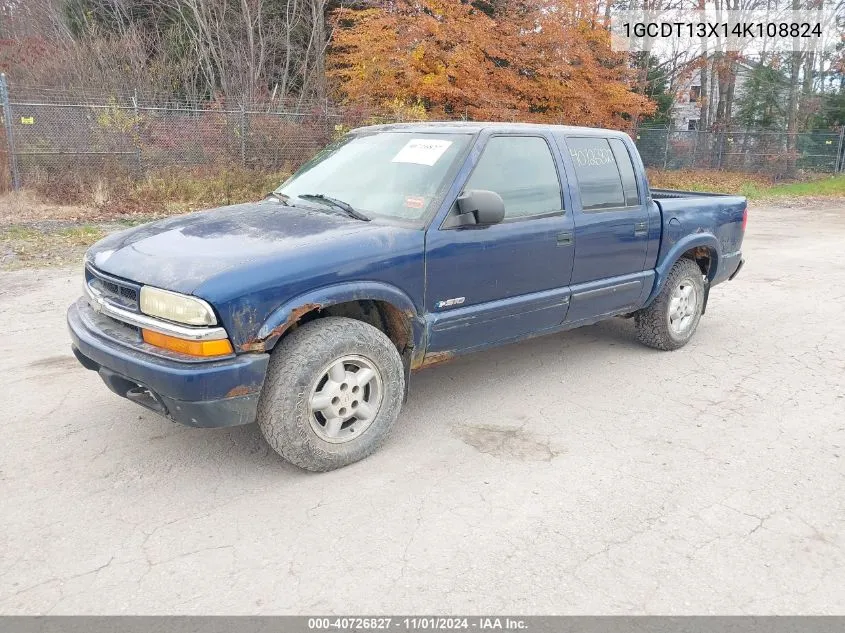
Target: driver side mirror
[479,207]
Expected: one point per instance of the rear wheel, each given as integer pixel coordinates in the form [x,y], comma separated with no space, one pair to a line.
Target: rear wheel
[333,391]
[672,318]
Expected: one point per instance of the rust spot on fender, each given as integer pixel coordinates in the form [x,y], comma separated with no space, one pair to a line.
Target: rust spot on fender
[432,358]
[398,327]
[260,345]
[239,391]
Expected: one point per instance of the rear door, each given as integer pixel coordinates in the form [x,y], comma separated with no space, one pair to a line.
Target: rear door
[611,229]
[494,283]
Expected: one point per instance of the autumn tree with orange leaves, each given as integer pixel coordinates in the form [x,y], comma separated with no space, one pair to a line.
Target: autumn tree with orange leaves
[544,61]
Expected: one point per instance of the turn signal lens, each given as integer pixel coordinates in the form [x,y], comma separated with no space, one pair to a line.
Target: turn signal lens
[221,347]
[744,218]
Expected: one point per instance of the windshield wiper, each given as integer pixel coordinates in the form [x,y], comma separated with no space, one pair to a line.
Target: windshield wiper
[284,199]
[347,208]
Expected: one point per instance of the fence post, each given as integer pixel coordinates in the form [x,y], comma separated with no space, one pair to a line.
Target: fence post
[839,165]
[666,145]
[10,138]
[137,128]
[243,135]
[694,150]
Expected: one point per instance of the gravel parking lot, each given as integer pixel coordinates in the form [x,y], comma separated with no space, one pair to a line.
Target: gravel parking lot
[575,473]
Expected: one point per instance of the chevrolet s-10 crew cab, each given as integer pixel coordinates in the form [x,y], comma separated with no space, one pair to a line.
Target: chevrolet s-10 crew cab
[395,248]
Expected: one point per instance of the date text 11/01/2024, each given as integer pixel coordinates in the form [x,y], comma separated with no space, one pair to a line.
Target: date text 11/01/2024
[417,623]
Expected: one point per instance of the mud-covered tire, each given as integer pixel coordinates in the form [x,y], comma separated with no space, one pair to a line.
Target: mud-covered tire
[654,323]
[297,365]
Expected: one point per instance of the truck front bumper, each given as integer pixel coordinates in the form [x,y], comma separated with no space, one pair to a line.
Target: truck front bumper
[196,393]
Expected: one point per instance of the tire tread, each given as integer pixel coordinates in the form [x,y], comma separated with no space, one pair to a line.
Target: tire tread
[281,414]
[651,322]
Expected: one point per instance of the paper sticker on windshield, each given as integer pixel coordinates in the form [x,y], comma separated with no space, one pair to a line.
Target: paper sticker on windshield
[415,202]
[422,151]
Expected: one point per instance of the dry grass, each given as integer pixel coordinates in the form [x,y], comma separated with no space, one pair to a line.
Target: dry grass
[180,191]
[160,194]
[31,246]
[752,186]
[20,207]
[708,180]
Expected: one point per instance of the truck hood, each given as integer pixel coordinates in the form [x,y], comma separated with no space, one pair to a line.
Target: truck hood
[182,253]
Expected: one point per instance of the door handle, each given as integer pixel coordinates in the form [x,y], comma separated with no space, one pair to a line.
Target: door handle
[640,229]
[565,238]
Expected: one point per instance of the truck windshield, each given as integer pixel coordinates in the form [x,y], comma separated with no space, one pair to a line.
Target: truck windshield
[388,174]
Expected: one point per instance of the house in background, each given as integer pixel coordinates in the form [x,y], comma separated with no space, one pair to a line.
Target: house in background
[686,111]
[755,138]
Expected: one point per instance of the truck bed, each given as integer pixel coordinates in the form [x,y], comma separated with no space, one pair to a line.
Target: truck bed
[689,213]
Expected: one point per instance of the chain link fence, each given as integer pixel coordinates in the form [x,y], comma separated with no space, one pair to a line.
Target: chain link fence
[772,153]
[49,136]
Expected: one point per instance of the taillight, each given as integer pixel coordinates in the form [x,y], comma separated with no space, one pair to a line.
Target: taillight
[744,218]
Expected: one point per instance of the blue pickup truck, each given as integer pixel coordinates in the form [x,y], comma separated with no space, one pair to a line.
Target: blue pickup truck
[395,248]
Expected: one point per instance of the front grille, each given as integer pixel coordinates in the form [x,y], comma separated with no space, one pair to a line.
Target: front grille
[117,330]
[117,292]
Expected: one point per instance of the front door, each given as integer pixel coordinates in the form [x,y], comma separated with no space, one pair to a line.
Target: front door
[490,284]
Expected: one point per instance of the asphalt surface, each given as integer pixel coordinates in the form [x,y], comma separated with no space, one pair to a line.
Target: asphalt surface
[575,473]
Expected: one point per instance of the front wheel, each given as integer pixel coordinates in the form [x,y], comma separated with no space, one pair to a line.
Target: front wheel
[672,318]
[333,391]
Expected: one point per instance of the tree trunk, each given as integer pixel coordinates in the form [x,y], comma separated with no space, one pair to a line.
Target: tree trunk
[792,105]
[702,144]
[319,43]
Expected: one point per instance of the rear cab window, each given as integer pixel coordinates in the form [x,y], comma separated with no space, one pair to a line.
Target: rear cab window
[605,173]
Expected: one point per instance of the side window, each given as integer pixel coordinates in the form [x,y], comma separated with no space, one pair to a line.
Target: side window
[521,170]
[626,170]
[599,181]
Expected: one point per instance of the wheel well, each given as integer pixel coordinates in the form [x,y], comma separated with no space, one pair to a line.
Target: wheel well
[380,314]
[703,256]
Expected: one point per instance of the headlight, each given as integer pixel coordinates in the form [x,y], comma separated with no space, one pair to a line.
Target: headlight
[176,307]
